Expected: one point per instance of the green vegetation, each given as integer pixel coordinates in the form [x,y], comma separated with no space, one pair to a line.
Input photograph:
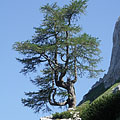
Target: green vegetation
[98,91]
[94,93]
[62,115]
[108,91]
[70,113]
[104,107]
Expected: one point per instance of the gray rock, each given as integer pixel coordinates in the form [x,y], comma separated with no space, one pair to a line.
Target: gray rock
[114,90]
[113,73]
[98,83]
[71,109]
[44,118]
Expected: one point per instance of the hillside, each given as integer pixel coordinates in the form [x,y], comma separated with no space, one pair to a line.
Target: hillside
[105,105]
[97,91]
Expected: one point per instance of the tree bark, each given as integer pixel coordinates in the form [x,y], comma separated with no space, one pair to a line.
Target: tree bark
[71,95]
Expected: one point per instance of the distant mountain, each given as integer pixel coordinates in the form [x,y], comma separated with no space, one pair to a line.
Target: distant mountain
[113,74]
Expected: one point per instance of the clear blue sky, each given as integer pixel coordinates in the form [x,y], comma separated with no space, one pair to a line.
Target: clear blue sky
[17,19]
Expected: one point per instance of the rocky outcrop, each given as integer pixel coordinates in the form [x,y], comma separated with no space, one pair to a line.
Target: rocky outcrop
[114,70]
[116,89]
[47,118]
[50,118]
[113,73]
[73,112]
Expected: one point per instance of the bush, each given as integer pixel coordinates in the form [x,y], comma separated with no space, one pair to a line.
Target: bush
[62,115]
[105,108]
[82,107]
[70,114]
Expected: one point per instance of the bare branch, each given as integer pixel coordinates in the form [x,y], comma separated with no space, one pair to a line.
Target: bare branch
[50,62]
[63,73]
[75,67]
[62,58]
[53,101]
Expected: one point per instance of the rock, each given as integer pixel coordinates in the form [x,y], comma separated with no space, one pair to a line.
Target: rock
[116,89]
[98,83]
[71,109]
[114,70]
[46,118]
[113,73]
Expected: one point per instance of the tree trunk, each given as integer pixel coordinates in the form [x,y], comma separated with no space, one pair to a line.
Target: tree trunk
[71,95]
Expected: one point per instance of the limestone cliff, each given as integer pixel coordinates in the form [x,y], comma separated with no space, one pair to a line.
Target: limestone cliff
[113,73]
[114,69]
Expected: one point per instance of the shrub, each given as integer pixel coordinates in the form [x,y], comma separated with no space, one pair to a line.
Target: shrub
[105,108]
[62,115]
[83,107]
[70,114]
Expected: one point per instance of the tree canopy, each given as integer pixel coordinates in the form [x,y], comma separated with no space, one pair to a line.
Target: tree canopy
[65,52]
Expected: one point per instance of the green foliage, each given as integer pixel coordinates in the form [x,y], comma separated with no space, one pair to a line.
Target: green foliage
[108,91]
[99,91]
[105,108]
[70,113]
[82,107]
[62,115]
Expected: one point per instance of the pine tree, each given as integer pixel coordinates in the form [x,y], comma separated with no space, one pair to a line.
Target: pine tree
[65,52]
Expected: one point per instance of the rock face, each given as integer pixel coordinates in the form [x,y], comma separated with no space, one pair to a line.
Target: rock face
[113,73]
[114,70]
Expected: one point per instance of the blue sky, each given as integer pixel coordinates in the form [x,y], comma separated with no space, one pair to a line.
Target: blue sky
[17,19]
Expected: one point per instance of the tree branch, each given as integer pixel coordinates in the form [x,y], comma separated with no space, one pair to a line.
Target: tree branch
[62,58]
[67,59]
[75,67]
[50,62]
[53,101]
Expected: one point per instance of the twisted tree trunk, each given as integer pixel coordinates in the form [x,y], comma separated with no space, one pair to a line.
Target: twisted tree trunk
[71,95]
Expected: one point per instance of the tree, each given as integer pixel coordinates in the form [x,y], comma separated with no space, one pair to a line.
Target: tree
[65,52]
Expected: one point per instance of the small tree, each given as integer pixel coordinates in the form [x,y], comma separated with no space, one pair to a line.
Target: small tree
[65,53]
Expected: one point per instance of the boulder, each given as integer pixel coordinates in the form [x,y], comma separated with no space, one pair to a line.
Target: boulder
[117,88]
